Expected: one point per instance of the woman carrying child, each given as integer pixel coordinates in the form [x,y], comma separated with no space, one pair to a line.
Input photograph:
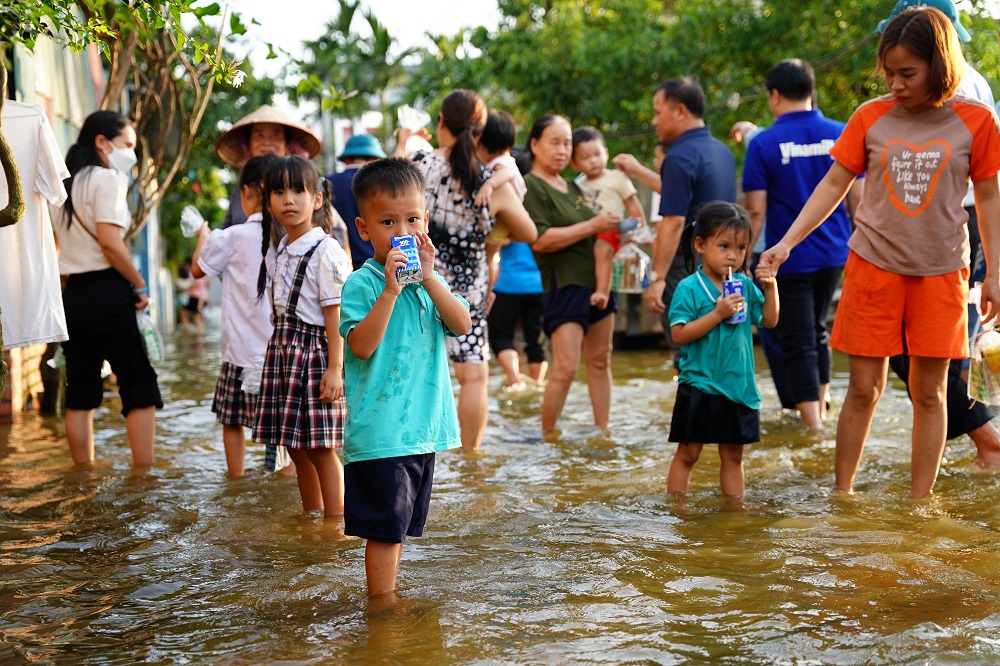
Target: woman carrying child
[301,404]
[919,146]
[717,399]
[458,227]
[234,253]
[565,254]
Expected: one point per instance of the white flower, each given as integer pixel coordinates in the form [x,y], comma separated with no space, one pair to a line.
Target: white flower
[238,77]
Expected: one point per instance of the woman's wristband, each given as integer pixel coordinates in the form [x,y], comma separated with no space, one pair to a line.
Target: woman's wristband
[144,290]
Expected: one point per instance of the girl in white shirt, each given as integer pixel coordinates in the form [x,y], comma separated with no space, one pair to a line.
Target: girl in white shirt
[301,404]
[234,253]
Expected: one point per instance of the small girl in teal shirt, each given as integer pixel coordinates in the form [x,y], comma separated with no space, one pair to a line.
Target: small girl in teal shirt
[717,399]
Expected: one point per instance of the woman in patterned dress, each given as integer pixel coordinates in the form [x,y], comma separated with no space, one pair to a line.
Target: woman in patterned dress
[458,227]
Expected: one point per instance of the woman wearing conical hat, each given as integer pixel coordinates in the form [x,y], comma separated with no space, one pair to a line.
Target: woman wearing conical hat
[265,131]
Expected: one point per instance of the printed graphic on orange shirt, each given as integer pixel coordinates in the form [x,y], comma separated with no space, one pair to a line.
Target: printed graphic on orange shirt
[911,173]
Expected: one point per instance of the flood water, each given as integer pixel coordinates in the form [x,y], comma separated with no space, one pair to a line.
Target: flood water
[535,552]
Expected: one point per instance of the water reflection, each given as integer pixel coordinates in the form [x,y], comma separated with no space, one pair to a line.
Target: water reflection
[565,551]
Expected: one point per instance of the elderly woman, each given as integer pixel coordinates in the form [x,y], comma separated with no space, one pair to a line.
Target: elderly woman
[565,254]
[458,227]
[266,131]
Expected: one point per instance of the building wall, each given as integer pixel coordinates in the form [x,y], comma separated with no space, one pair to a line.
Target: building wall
[24,384]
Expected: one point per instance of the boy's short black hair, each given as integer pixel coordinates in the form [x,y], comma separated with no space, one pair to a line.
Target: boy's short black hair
[500,133]
[586,133]
[390,175]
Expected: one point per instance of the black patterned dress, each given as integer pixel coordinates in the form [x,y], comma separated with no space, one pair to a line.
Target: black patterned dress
[458,229]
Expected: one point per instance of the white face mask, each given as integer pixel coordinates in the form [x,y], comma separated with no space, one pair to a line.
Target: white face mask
[121,159]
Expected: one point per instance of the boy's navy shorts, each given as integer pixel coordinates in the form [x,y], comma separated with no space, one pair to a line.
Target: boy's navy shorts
[571,305]
[386,500]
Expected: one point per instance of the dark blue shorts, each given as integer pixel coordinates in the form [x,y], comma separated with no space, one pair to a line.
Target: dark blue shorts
[571,305]
[386,500]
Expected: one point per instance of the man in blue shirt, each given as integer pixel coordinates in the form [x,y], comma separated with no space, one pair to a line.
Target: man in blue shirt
[784,163]
[698,168]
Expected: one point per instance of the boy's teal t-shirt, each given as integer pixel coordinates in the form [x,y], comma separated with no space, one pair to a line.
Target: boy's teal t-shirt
[721,361]
[399,401]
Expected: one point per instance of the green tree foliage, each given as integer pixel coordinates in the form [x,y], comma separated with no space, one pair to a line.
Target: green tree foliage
[203,181]
[599,62]
[346,70]
[156,75]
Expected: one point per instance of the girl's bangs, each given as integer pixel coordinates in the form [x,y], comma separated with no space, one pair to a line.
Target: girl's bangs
[286,174]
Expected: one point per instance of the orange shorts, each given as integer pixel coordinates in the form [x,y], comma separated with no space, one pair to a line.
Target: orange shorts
[875,304]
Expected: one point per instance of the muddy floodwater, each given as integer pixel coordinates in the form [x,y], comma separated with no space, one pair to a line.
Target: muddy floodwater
[535,552]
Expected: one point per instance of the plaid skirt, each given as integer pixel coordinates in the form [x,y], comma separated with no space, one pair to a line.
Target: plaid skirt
[232,406]
[289,411]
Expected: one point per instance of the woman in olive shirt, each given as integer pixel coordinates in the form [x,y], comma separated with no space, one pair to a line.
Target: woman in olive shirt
[565,255]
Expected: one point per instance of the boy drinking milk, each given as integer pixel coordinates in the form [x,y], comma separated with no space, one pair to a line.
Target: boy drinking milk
[400,407]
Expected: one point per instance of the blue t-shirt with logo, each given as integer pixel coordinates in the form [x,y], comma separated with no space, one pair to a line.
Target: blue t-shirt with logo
[788,160]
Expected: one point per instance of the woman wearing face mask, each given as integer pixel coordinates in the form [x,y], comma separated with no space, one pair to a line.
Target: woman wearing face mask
[103,290]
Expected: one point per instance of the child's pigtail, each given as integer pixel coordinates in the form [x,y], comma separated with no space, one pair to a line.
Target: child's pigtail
[265,226]
[687,247]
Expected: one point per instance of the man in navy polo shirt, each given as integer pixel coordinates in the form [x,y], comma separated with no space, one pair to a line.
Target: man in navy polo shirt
[784,163]
[698,168]
[359,150]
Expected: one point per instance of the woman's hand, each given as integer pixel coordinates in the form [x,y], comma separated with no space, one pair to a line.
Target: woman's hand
[403,137]
[141,296]
[604,222]
[600,299]
[767,267]
[331,386]
[989,299]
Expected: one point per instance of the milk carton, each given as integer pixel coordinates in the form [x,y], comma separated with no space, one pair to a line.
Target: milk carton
[411,273]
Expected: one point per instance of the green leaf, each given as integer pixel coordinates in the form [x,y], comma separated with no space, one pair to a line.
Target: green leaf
[209,10]
[236,26]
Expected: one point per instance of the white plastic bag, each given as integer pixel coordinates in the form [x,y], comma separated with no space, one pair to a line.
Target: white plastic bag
[191,221]
[631,270]
[413,119]
[251,375]
[150,337]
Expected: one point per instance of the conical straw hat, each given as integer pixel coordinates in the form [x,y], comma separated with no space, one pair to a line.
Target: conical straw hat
[231,146]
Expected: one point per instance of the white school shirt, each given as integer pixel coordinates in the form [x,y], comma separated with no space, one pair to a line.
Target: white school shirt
[30,295]
[99,195]
[324,280]
[235,254]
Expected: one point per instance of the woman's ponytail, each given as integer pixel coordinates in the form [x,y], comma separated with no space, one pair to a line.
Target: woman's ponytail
[463,112]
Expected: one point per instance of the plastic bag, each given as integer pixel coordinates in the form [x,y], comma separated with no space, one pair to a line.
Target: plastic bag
[150,337]
[191,221]
[252,374]
[631,270]
[413,119]
[984,364]
[276,458]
